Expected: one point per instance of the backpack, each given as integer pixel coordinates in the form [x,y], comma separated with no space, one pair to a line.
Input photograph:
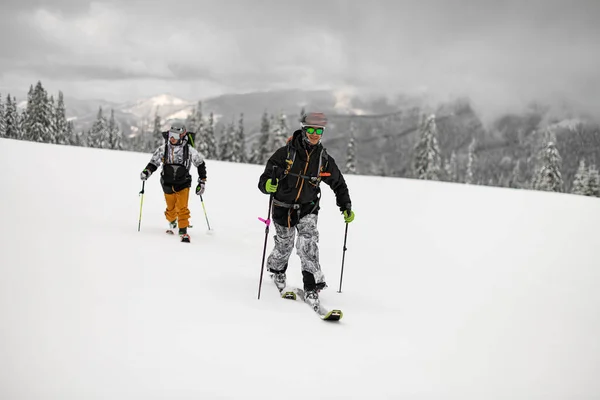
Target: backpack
[291,157]
[191,136]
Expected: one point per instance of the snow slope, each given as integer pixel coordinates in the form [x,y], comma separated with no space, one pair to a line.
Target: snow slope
[450,291]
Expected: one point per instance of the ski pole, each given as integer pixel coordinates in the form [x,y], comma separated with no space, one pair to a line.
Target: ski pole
[343,257]
[267,223]
[205,215]
[141,204]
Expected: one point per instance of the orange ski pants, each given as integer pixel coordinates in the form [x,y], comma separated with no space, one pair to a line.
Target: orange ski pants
[177,207]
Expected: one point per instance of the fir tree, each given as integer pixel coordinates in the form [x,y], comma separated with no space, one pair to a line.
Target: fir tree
[452,168]
[351,153]
[209,139]
[81,139]
[70,135]
[278,134]
[581,180]
[264,151]
[548,177]
[157,138]
[98,135]
[239,142]
[11,119]
[199,119]
[60,118]
[515,178]
[24,122]
[2,119]
[114,133]
[39,116]
[52,127]
[427,162]
[191,122]
[593,188]
[226,146]
[470,176]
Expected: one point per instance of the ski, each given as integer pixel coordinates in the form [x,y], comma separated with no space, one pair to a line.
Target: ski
[322,312]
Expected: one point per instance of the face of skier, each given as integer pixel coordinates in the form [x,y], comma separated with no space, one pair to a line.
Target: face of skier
[175,135]
[314,134]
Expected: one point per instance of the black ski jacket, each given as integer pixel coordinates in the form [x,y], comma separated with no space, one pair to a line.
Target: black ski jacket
[298,191]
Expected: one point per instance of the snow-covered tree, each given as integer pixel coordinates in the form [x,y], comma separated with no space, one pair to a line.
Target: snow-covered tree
[11,119]
[156,139]
[593,188]
[38,117]
[581,180]
[239,142]
[23,121]
[52,127]
[515,177]
[548,177]
[226,143]
[2,119]
[451,168]
[207,145]
[114,133]
[470,175]
[427,163]
[263,151]
[195,123]
[71,136]
[351,152]
[278,132]
[60,121]
[98,136]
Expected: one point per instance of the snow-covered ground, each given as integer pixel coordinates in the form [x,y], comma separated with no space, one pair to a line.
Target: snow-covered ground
[449,292]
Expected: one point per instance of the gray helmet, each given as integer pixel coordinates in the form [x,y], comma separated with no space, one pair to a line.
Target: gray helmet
[177,132]
[177,127]
[315,119]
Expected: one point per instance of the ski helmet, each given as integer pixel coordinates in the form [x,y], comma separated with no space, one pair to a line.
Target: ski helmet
[177,131]
[312,120]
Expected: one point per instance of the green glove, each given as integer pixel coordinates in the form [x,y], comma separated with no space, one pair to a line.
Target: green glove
[348,216]
[271,187]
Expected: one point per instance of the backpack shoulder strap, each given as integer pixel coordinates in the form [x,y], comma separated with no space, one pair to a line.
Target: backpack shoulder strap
[323,163]
[291,156]
[166,136]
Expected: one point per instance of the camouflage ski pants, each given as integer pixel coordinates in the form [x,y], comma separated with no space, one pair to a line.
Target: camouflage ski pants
[307,248]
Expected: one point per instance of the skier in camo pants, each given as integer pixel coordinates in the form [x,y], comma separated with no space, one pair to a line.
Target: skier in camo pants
[292,175]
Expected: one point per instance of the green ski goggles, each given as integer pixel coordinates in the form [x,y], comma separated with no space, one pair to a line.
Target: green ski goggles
[314,131]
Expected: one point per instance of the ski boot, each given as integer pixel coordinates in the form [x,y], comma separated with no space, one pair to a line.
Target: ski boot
[311,297]
[172,227]
[279,280]
[184,235]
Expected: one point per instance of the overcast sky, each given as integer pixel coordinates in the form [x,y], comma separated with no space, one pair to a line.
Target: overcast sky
[500,53]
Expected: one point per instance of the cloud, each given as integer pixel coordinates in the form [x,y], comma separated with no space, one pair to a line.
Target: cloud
[501,54]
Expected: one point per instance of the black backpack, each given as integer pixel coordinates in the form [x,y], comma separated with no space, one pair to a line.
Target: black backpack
[191,137]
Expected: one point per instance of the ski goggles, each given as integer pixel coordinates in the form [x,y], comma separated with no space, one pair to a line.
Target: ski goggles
[314,131]
[175,135]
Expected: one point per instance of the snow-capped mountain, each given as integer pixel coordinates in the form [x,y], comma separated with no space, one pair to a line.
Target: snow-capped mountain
[163,104]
